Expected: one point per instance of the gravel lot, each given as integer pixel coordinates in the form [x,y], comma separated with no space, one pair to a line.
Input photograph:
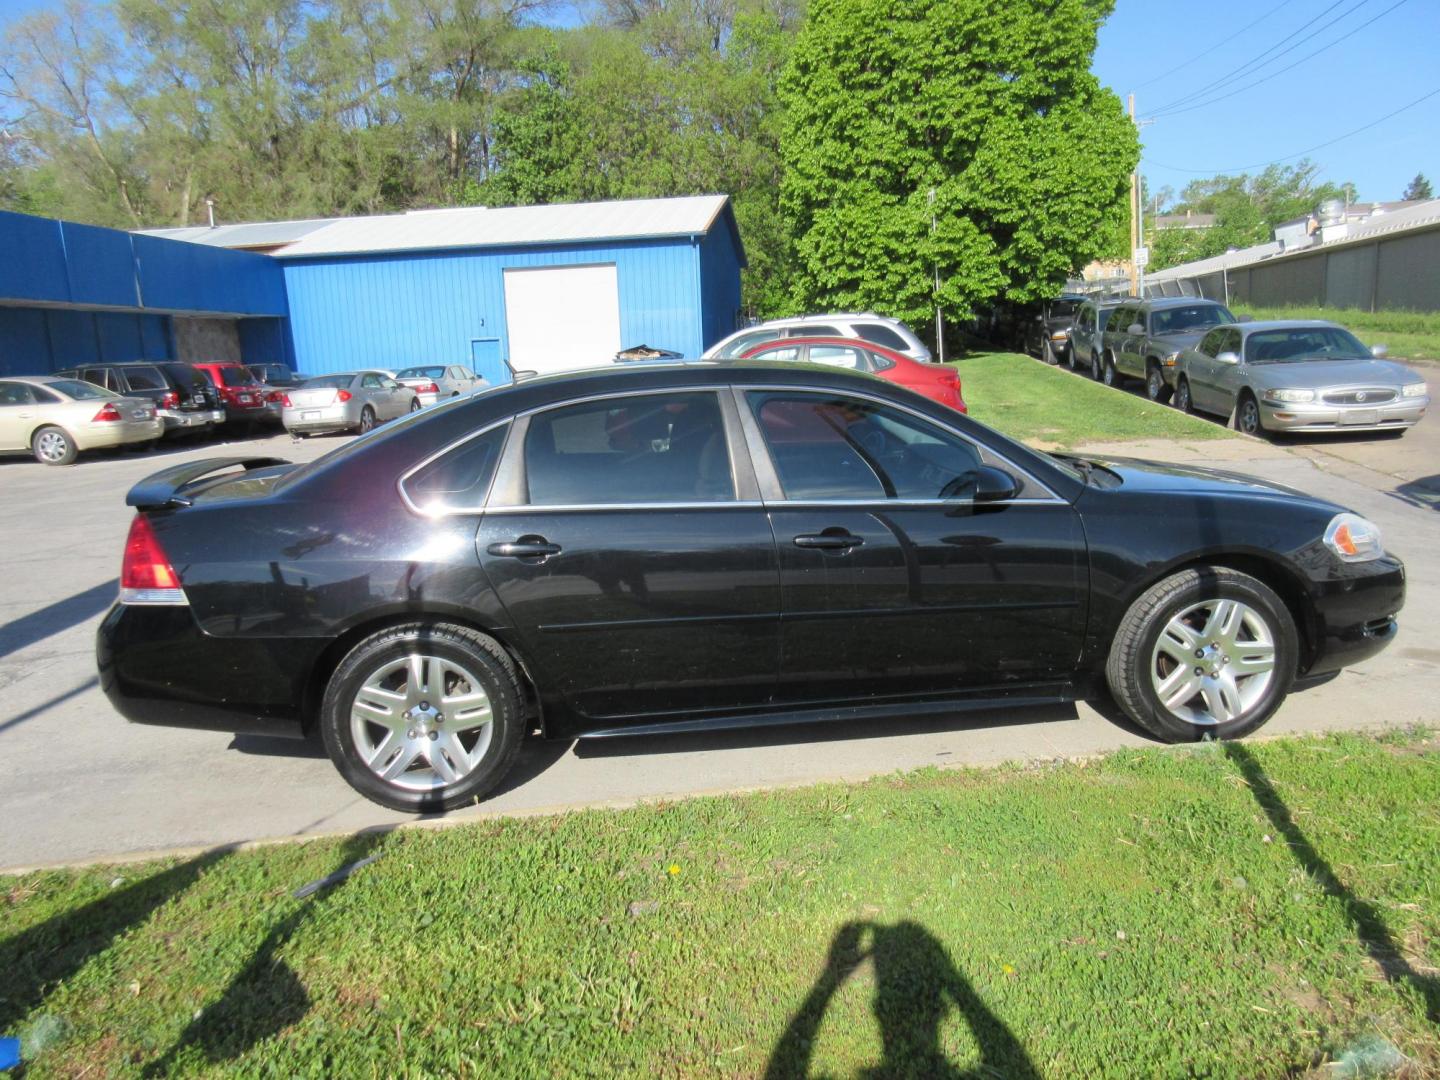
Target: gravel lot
[83,784]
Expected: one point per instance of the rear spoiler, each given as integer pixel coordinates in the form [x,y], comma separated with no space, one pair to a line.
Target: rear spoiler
[163,488]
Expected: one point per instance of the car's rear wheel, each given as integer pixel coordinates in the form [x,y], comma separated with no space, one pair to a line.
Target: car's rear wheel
[1182,396]
[54,446]
[1155,388]
[367,419]
[1247,415]
[415,404]
[1047,352]
[1109,376]
[1097,369]
[1204,652]
[424,717]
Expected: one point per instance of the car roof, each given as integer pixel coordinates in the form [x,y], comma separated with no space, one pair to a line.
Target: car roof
[827,339]
[1179,301]
[36,378]
[1289,324]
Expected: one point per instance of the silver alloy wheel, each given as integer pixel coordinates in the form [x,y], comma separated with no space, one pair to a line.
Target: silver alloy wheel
[367,419]
[1249,419]
[1154,384]
[1182,396]
[1215,661]
[1110,373]
[52,446]
[421,722]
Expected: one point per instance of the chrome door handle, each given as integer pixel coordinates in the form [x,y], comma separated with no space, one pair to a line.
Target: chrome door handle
[524,549]
[843,540]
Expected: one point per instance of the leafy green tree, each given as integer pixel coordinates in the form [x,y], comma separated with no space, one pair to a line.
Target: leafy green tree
[1419,188]
[952,134]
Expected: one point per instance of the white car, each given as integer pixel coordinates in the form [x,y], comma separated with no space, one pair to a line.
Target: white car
[433,382]
[55,419]
[866,326]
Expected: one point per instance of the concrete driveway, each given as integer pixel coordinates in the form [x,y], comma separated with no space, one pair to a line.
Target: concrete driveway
[81,784]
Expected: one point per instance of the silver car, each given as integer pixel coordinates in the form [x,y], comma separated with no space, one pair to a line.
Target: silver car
[434,382]
[1292,375]
[346,401]
[879,329]
[55,419]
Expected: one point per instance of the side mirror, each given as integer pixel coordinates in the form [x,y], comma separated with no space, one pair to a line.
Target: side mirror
[1135,328]
[1039,318]
[1228,358]
[983,485]
[1379,352]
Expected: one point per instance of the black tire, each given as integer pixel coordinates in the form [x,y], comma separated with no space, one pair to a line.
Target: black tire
[1183,401]
[1134,651]
[367,419]
[1155,388]
[53,445]
[1047,353]
[1247,415]
[478,654]
[1108,375]
[415,404]
[1097,371]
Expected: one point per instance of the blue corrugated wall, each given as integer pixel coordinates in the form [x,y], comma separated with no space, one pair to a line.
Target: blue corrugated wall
[396,310]
[720,281]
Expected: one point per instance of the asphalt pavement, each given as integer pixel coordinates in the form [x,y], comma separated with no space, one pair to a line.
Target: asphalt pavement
[80,784]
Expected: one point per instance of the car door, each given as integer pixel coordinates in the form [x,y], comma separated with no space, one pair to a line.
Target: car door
[634,557]
[1213,386]
[1113,338]
[1131,356]
[397,396]
[894,582]
[17,415]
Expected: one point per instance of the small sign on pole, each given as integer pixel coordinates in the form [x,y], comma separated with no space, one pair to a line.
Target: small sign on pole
[1142,257]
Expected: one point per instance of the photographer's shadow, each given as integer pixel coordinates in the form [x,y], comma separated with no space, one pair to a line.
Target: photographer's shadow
[915,984]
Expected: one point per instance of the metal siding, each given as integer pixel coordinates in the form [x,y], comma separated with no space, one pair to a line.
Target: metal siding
[719,285]
[262,341]
[1298,281]
[190,277]
[155,337]
[24,343]
[398,310]
[120,337]
[35,269]
[72,338]
[100,266]
[1408,272]
[1350,277]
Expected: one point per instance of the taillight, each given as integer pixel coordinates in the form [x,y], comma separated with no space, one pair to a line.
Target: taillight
[430,388]
[285,400]
[169,400]
[146,576]
[108,413]
[343,395]
[275,395]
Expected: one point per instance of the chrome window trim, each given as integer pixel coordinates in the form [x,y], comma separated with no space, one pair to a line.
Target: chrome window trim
[452,511]
[576,508]
[752,432]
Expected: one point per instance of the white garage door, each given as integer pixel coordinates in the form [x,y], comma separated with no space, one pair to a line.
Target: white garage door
[562,317]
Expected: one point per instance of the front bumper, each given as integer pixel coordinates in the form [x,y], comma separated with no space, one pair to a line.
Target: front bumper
[1317,416]
[157,667]
[1354,614]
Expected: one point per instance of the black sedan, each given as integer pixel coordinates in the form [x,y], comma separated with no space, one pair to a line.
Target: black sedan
[673,547]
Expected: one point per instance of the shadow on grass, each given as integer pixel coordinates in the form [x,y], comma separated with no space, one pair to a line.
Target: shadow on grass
[915,983]
[35,961]
[1369,927]
[266,996]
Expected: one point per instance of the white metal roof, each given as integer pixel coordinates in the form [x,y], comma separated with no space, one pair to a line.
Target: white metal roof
[477,226]
[250,234]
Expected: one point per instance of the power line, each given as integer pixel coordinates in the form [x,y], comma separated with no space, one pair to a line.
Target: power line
[1169,72]
[1288,67]
[1302,153]
[1261,58]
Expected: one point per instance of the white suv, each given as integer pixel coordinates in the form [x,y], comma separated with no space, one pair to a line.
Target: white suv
[891,333]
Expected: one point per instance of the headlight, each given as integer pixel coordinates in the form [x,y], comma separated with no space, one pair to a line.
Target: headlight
[1353,539]
[1169,358]
[1414,390]
[1289,395]
[1059,335]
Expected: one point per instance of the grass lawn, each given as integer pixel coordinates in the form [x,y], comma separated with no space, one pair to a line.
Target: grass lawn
[1409,335]
[1242,910]
[1030,400]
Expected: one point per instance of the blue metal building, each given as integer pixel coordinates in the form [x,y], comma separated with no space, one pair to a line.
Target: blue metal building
[522,288]
[73,294]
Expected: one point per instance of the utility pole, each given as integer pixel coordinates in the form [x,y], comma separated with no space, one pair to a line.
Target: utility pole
[1134,216]
[939,317]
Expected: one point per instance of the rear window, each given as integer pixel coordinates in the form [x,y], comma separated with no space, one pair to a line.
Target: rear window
[144,378]
[327,382]
[882,335]
[80,391]
[459,480]
[422,373]
[184,375]
[235,376]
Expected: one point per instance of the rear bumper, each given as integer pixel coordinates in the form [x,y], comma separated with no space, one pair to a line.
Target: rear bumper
[157,667]
[325,418]
[190,419]
[121,433]
[1317,416]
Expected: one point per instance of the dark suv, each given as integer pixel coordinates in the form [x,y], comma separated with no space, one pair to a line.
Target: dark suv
[1047,336]
[1144,339]
[183,397]
[1085,333]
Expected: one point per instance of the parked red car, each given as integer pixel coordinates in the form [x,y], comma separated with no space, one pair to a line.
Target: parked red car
[245,398]
[936,381]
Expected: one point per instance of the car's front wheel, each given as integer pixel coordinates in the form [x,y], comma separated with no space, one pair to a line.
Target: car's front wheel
[1047,353]
[1109,376]
[424,717]
[1207,651]
[1182,396]
[1097,371]
[1155,388]
[1247,415]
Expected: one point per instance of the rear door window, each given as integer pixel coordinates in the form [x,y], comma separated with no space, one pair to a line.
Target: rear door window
[144,378]
[458,481]
[838,356]
[371,382]
[645,449]
[882,335]
[16,393]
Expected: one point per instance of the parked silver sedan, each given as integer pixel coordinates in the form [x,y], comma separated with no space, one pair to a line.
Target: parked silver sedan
[436,382]
[1293,375]
[345,401]
[55,419]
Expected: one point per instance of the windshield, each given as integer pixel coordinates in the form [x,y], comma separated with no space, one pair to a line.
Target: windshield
[327,382]
[80,391]
[422,373]
[1296,346]
[1064,309]
[1177,320]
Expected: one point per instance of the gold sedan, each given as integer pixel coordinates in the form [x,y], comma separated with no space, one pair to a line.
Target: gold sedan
[55,419]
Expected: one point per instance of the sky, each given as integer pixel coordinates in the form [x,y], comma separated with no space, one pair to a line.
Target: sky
[1166,50]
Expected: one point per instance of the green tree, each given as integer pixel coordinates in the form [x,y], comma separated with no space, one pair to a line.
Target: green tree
[1419,188]
[957,134]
